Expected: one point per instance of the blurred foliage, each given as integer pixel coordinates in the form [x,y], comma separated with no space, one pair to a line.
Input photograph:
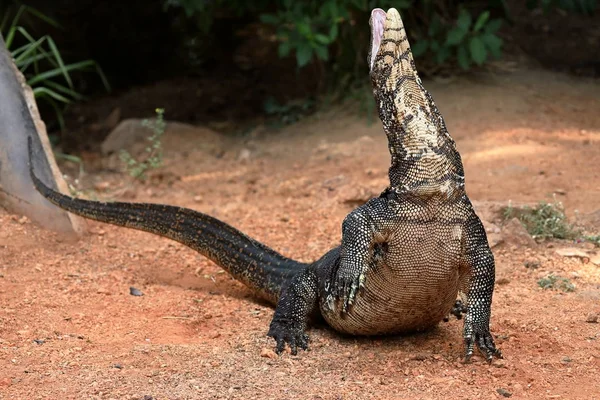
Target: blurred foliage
[40,61]
[335,34]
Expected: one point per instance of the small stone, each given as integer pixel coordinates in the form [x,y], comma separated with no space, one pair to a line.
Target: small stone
[268,353]
[503,392]
[23,220]
[102,186]
[502,281]
[420,357]
[214,335]
[117,366]
[244,155]
[198,199]
[566,359]
[592,318]
[102,291]
[572,252]
[135,292]
[39,341]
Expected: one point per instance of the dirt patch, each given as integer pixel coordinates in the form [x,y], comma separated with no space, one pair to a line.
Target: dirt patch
[70,329]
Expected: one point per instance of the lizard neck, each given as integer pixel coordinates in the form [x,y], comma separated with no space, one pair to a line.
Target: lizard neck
[424,159]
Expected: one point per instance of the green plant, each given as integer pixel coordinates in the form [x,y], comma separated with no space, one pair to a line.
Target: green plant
[544,221]
[153,157]
[333,34]
[595,239]
[470,40]
[556,282]
[41,62]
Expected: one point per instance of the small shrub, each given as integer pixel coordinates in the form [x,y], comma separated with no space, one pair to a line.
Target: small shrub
[545,221]
[556,282]
[153,156]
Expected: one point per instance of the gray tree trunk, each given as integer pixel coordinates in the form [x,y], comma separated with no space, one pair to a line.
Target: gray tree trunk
[19,119]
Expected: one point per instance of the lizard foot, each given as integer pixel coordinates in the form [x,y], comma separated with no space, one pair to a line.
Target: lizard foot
[485,343]
[347,288]
[288,332]
[457,310]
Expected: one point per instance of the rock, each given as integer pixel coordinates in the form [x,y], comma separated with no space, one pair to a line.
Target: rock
[244,155]
[113,119]
[131,135]
[268,353]
[592,318]
[572,252]
[503,392]
[135,292]
[514,233]
[595,259]
[124,135]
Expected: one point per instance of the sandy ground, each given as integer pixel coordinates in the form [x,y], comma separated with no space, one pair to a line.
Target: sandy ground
[70,329]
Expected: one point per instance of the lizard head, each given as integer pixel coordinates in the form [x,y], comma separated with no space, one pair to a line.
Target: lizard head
[390,60]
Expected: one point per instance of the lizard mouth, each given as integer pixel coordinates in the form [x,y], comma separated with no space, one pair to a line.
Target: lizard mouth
[377,23]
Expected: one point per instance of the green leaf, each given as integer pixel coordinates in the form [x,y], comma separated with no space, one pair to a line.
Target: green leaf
[42,91]
[464,20]
[303,54]
[322,52]
[320,38]
[493,26]
[269,19]
[493,43]
[284,49]
[481,20]
[477,50]
[58,59]
[59,71]
[455,36]
[420,47]
[463,57]
[303,28]
[333,32]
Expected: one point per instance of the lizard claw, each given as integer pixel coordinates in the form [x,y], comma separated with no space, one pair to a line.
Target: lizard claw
[347,289]
[457,310]
[287,332]
[485,344]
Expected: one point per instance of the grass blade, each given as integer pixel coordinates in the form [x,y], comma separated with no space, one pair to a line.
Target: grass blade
[41,91]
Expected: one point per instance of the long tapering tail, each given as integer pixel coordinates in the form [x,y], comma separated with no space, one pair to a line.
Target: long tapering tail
[257,266]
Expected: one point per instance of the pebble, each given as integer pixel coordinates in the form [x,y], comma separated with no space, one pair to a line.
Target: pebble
[135,292]
[592,318]
[503,392]
[268,353]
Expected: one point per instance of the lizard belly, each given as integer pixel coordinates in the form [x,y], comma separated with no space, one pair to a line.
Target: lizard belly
[412,288]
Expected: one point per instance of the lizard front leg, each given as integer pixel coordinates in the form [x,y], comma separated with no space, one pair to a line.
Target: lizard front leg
[480,268]
[363,230]
[297,302]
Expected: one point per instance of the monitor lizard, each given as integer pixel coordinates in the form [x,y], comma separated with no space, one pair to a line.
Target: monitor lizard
[404,256]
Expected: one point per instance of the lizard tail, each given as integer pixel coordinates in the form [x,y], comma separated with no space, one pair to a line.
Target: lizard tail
[257,266]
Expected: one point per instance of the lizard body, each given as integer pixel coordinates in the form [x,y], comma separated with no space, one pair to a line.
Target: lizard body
[404,256]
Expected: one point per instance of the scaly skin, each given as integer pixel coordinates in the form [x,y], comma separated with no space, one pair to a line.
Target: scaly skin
[404,257]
